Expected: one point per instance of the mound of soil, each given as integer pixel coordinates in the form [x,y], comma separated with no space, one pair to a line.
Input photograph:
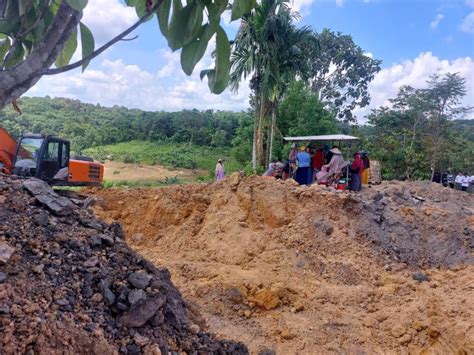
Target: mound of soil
[306,270]
[70,284]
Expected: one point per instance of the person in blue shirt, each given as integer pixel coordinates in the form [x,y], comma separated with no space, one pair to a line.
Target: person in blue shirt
[302,175]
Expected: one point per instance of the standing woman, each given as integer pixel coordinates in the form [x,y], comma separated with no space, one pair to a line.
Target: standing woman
[356,168]
[220,173]
[304,164]
[365,172]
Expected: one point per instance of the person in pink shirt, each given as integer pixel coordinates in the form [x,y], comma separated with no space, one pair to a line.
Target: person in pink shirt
[220,173]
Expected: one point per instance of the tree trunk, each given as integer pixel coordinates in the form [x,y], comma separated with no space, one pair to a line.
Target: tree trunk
[254,141]
[272,131]
[260,150]
[17,80]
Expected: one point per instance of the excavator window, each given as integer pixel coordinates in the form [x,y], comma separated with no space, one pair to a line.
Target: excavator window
[29,149]
[52,153]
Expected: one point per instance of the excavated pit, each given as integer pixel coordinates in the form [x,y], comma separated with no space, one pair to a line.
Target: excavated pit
[305,270]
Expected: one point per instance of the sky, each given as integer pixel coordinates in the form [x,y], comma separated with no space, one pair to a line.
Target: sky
[413,38]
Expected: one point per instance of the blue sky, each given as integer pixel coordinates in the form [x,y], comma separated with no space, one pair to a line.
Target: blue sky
[413,38]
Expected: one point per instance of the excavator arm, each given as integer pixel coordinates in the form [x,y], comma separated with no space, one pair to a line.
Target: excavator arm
[7,152]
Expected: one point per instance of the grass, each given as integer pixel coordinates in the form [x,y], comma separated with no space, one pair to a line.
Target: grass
[107,184]
[173,156]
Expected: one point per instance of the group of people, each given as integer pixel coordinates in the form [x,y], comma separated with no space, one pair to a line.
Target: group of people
[322,165]
[463,181]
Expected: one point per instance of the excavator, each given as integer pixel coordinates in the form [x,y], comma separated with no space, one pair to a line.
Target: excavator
[47,158]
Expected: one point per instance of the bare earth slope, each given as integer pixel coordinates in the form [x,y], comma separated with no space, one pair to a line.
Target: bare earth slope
[69,284]
[302,270]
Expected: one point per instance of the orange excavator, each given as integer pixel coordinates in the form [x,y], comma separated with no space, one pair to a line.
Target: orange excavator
[47,158]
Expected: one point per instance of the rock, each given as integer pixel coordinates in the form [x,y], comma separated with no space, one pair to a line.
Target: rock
[152,349]
[140,279]
[136,295]
[38,269]
[404,339]
[96,298]
[141,341]
[266,299]
[234,295]
[194,328]
[6,252]
[420,277]
[91,262]
[398,330]
[42,218]
[109,296]
[137,238]
[140,313]
[117,229]
[3,277]
[107,239]
[287,334]
[61,206]
[62,302]
[95,241]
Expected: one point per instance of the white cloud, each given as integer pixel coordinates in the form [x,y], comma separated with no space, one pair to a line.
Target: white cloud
[107,18]
[301,6]
[369,54]
[434,24]
[388,81]
[114,82]
[339,3]
[467,24]
[469,3]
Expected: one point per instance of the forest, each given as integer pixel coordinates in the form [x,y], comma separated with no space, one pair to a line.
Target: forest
[388,135]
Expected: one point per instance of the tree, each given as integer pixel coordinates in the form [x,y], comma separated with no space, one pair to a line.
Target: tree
[34,34]
[268,50]
[340,72]
[415,138]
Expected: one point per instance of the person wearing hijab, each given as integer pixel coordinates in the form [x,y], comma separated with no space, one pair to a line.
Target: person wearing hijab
[220,173]
[356,169]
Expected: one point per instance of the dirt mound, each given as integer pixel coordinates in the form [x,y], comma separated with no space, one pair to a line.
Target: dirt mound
[306,270]
[70,284]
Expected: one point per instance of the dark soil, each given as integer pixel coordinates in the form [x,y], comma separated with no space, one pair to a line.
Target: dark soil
[70,284]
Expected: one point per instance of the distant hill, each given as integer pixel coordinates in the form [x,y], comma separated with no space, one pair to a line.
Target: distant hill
[88,125]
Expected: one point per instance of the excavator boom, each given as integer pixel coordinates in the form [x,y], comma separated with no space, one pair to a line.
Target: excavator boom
[7,151]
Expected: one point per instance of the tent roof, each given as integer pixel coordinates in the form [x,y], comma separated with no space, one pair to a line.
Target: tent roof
[327,137]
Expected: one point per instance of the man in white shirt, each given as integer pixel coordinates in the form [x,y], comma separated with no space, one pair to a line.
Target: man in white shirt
[465,180]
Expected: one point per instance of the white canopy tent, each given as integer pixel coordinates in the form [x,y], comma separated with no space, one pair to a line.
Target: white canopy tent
[322,138]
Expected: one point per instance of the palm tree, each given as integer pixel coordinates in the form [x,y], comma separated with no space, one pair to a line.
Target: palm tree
[267,49]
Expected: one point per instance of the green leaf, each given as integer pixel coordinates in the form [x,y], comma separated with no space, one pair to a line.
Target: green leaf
[77,5]
[67,51]
[185,25]
[194,51]
[241,7]
[4,47]
[17,57]
[222,61]
[87,42]
[140,8]
[132,2]
[163,16]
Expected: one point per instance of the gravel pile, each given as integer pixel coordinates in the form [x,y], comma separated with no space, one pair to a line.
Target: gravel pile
[69,283]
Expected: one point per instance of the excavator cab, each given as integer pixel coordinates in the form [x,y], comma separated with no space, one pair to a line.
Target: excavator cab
[48,158]
[41,157]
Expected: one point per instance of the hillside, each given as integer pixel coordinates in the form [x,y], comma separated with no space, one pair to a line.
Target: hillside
[88,125]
